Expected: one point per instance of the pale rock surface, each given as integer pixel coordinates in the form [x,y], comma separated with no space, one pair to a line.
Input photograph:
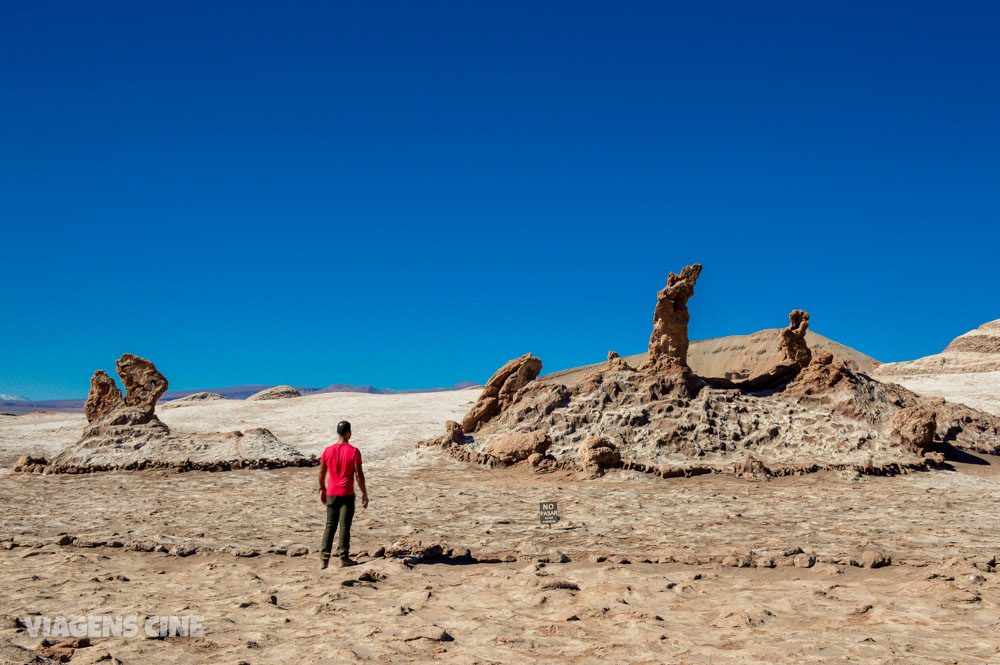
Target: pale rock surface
[277,392]
[966,371]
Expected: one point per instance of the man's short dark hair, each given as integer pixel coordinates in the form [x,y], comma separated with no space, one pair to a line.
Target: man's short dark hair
[343,427]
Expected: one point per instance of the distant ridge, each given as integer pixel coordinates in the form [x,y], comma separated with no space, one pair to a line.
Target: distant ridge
[372,390]
[21,407]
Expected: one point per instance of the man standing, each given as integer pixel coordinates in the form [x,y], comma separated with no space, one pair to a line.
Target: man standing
[337,468]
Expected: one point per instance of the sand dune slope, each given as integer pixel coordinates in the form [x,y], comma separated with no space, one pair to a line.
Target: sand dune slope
[735,356]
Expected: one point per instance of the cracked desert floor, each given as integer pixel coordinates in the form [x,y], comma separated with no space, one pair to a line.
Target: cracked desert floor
[711,569]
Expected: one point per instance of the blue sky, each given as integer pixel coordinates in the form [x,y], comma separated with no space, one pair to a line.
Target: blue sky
[409,194]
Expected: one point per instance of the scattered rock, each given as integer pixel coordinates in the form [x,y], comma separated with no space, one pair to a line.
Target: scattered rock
[871,558]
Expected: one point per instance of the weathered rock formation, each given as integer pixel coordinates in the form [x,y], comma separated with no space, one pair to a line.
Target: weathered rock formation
[792,341]
[668,343]
[144,385]
[499,391]
[277,392]
[811,412]
[795,356]
[123,432]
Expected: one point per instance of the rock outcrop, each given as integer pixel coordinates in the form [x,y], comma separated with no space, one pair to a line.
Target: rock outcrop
[499,391]
[277,392]
[123,432]
[813,411]
[668,343]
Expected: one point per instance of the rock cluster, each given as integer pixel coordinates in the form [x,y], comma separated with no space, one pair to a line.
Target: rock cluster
[811,412]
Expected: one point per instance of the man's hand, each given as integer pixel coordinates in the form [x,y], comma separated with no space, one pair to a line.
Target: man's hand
[322,495]
[364,499]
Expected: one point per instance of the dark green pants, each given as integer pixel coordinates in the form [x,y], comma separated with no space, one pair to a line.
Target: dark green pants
[339,515]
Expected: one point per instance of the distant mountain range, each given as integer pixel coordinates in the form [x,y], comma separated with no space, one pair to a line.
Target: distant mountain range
[19,405]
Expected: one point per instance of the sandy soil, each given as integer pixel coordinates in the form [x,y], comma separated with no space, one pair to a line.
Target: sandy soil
[687,576]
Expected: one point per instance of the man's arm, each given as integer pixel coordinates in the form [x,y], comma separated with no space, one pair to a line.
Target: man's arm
[322,483]
[359,472]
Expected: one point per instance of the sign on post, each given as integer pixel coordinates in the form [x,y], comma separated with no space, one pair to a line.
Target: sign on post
[548,513]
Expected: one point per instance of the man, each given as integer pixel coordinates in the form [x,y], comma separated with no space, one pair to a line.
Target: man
[338,466]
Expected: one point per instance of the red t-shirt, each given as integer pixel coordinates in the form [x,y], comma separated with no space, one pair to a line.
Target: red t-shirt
[340,460]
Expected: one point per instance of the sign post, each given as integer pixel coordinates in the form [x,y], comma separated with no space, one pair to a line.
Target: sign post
[548,513]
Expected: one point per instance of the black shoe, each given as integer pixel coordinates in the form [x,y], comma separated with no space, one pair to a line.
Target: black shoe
[323,564]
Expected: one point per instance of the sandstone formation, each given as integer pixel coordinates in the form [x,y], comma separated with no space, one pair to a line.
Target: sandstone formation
[668,343]
[809,412]
[792,341]
[795,356]
[499,391]
[144,385]
[123,432]
[967,370]
[277,392]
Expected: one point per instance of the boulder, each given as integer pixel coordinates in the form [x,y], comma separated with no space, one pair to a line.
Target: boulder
[914,427]
[596,452]
[517,446]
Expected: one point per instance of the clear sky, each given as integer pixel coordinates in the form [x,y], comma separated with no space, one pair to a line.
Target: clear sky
[409,194]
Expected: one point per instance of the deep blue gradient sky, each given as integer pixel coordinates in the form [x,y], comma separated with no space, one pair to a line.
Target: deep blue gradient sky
[409,194]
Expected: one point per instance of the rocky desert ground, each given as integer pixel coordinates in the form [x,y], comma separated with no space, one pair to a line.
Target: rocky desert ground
[639,569]
[685,536]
